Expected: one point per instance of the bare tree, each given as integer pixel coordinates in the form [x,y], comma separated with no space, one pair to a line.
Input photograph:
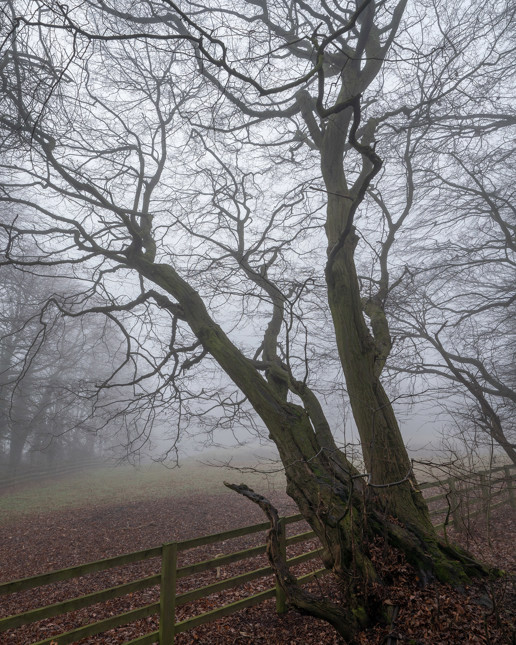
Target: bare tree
[50,369]
[204,167]
[453,313]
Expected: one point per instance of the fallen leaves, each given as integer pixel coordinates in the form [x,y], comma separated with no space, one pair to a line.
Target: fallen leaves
[435,614]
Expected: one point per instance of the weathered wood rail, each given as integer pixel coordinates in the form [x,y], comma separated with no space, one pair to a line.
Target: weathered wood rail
[471,494]
[457,494]
[169,599]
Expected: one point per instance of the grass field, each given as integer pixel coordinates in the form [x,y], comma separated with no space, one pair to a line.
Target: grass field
[110,484]
[106,485]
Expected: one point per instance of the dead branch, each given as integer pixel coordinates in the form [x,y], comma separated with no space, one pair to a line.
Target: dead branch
[344,620]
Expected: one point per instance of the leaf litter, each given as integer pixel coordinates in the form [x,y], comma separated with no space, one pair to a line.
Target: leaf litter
[436,614]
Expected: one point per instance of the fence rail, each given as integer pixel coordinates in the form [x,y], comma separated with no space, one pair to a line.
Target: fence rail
[462,504]
[169,599]
[456,493]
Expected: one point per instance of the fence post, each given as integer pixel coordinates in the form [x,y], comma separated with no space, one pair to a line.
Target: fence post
[281,600]
[510,487]
[454,503]
[167,600]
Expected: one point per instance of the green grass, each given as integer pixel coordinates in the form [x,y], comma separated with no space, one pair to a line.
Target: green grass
[115,485]
[107,485]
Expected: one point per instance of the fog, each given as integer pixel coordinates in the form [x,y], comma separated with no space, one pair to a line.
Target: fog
[234,205]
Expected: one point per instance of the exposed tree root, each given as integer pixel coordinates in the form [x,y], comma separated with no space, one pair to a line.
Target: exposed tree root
[345,621]
[431,557]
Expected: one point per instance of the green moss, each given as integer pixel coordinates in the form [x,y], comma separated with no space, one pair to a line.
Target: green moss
[361,616]
[449,572]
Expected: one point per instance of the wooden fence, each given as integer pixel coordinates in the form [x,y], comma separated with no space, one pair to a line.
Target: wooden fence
[169,599]
[470,495]
[456,493]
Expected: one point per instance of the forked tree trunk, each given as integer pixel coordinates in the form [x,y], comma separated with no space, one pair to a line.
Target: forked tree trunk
[339,504]
[346,513]
[347,516]
[345,508]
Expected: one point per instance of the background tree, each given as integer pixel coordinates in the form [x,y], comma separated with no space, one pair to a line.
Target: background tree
[452,299]
[51,367]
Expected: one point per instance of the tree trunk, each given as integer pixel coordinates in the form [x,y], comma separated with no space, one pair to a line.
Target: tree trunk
[19,424]
[385,455]
[347,516]
[344,510]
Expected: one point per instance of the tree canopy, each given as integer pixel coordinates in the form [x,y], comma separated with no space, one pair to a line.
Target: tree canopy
[245,188]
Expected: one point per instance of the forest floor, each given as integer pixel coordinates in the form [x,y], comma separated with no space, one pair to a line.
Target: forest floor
[49,539]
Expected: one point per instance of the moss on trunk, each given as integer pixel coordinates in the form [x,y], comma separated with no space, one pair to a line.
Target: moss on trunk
[345,509]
